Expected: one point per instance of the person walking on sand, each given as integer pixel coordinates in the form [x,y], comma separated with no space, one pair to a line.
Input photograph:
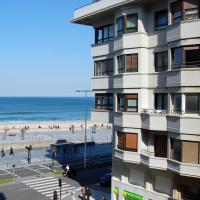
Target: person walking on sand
[11,151]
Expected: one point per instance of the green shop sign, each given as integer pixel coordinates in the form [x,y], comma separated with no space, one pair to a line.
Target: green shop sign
[131,196]
[116,191]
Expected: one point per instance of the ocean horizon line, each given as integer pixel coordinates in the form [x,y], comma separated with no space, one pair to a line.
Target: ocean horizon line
[45,96]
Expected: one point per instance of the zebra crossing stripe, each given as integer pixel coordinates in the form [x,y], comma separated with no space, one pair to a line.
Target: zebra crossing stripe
[43,183]
[56,187]
[47,185]
[40,179]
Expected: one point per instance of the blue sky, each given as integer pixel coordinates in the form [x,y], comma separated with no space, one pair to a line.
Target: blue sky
[41,52]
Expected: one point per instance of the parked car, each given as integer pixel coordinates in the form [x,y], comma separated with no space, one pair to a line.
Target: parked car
[105,180]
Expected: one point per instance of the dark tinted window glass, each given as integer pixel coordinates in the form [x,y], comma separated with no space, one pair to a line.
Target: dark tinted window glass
[120,26]
[192,103]
[161,20]
[161,61]
[132,23]
[177,56]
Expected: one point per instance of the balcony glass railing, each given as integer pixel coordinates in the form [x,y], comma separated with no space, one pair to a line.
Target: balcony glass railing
[193,64]
[154,111]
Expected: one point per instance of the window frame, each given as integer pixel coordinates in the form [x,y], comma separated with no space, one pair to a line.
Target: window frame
[158,27]
[198,103]
[101,97]
[123,69]
[131,30]
[120,31]
[163,96]
[162,67]
[125,107]
[107,39]
[123,146]
[108,62]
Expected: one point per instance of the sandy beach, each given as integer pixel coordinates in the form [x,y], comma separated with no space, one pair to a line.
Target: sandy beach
[50,125]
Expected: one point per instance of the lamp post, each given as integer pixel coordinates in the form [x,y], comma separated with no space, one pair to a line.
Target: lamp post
[85,147]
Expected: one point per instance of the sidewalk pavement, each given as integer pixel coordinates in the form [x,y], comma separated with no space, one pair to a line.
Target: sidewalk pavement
[97,193]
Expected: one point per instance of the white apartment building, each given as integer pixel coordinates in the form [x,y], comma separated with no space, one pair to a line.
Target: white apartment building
[147,83]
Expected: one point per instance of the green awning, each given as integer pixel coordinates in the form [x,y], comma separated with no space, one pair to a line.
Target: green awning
[116,190]
[131,196]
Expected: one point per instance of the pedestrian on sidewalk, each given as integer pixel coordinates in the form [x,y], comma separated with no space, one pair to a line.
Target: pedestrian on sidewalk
[11,151]
[83,192]
[103,198]
[2,152]
[88,193]
[55,195]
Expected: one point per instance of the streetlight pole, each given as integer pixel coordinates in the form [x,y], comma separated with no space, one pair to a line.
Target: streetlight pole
[85,146]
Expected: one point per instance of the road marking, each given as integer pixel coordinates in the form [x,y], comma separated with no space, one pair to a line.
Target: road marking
[34,170]
[46,186]
[39,179]
[44,167]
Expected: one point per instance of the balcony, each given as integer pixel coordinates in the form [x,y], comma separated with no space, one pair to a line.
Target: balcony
[104,116]
[130,80]
[184,169]
[148,158]
[185,76]
[157,80]
[127,156]
[187,123]
[154,120]
[123,42]
[127,119]
[102,49]
[183,30]
[102,83]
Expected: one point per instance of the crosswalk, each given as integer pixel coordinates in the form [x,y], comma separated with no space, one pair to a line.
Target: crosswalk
[46,186]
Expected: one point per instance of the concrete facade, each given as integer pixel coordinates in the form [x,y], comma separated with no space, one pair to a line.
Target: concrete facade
[156,146]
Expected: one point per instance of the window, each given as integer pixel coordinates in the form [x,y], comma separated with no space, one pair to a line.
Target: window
[193,103]
[127,102]
[127,63]
[186,56]
[191,9]
[104,34]
[184,9]
[161,101]
[104,101]
[132,63]
[192,56]
[121,64]
[161,61]
[179,151]
[103,67]
[161,20]
[132,23]
[127,141]
[176,11]
[120,25]
[175,152]
[176,103]
[127,24]
[191,156]
[190,192]
[160,146]
[177,57]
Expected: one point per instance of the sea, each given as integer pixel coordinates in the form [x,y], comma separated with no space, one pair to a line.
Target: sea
[37,109]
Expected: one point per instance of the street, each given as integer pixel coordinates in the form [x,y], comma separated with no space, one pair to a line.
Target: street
[36,181]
